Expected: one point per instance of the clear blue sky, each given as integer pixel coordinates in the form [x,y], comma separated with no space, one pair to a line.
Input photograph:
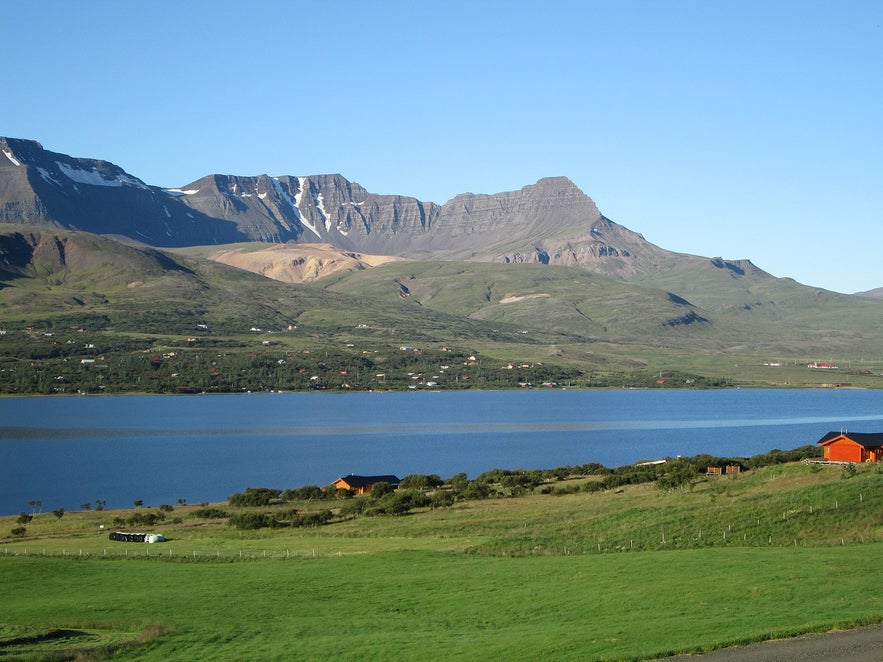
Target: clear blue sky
[741,129]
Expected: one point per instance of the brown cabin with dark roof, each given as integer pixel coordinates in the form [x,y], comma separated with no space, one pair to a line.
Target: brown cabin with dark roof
[853,446]
[363,484]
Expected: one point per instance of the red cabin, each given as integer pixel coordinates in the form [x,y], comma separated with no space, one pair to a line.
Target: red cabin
[853,446]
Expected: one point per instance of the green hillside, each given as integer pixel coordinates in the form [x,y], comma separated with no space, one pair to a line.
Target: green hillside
[83,313]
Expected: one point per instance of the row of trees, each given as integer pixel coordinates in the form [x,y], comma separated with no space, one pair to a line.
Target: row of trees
[431,491]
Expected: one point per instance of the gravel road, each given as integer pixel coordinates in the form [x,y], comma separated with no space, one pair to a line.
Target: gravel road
[863,644]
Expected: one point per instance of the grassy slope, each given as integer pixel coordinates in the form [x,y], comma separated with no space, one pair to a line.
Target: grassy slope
[507,313]
[532,584]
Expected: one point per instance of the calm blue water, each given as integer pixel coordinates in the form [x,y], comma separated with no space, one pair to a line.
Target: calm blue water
[68,451]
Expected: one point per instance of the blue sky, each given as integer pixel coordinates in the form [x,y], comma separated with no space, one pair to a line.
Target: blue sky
[741,129]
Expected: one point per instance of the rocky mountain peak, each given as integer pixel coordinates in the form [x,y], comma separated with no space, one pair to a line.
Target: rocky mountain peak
[551,221]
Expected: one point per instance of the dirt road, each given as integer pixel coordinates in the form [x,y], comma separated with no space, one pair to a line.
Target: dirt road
[863,644]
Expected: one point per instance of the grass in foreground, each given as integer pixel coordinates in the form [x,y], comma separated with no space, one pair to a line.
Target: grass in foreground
[520,578]
[434,606]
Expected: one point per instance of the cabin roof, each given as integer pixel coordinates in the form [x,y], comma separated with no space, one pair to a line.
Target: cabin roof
[865,439]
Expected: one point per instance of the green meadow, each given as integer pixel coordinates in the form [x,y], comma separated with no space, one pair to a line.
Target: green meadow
[624,574]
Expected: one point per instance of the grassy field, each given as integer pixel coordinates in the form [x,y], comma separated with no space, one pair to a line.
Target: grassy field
[632,573]
[430,605]
[116,318]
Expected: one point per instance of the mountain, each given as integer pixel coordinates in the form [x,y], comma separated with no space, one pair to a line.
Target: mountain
[550,222]
[43,188]
[309,228]
[876,293]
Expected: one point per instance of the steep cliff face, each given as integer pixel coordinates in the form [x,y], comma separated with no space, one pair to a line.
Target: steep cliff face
[39,187]
[550,222]
[315,209]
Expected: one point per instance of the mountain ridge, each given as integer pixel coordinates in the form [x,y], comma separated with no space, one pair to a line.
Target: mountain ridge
[549,222]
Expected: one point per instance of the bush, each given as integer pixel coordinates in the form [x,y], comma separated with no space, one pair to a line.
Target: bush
[678,473]
[378,490]
[420,482]
[210,513]
[19,531]
[312,519]
[255,496]
[441,499]
[144,519]
[353,507]
[458,481]
[476,490]
[250,521]
[306,493]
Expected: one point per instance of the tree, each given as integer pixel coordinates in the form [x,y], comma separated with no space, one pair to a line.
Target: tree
[24,518]
[678,473]
[252,521]
[139,503]
[381,488]
[420,481]
[58,512]
[458,481]
[86,506]
[254,496]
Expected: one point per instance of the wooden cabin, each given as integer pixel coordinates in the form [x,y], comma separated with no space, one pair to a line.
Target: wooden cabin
[363,484]
[853,446]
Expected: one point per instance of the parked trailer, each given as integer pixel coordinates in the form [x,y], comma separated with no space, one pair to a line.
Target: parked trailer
[123,536]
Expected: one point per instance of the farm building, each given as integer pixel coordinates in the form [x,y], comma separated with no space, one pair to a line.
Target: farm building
[853,446]
[363,484]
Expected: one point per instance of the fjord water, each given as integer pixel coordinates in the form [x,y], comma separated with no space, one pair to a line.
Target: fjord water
[66,451]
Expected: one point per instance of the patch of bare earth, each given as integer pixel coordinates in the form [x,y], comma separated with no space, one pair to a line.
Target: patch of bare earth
[515,299]
[300,263]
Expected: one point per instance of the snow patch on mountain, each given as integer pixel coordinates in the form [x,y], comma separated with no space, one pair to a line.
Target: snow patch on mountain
[9,156]
[95,178]
[177,192]
[303,185]
[320,205]
[49,178]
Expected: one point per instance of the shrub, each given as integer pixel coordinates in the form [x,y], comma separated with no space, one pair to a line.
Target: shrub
[305,493]
[19,531]
[144,519]
[254,496]
[678,473]
[420,481]
[458,481]
[378,490]
[441,499]
[477,490]
[210,513]
[312,519]
[353,507]
[248,521]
